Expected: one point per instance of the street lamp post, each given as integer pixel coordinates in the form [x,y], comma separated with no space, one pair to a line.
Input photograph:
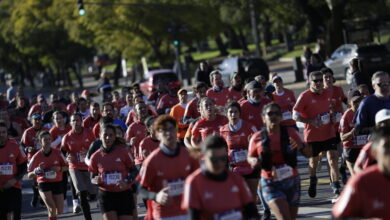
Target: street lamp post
[255,30]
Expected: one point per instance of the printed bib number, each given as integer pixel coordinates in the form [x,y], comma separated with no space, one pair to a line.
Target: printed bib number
[50,175]
[6,169]
[81,157]
[361,140]
[239,155]
[229,215]
[111,178]
[325,118]
[176,187]
[338,116]
[287,115]
[283,172]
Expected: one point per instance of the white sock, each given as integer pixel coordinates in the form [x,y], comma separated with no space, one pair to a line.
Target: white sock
[75,202]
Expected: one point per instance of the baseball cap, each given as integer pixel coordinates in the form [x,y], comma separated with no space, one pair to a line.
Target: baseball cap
[36,115]
[253,85]
[276,78]
[353,95]
[181,90]
[85,93]
[382,115]
[173,85]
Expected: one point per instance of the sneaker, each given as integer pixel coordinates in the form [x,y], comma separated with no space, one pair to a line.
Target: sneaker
[266,215]
[335,198]
[34,201]
[76,209]
[336,187]
[313,187]
[343,174]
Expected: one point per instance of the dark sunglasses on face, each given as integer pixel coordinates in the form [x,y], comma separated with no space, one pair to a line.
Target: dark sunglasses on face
[383,84]
[273,113]
[217,159]
[317,80]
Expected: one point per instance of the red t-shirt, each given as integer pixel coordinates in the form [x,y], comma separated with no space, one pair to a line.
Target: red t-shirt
[132,117]
[234,94]
[137,130]
[58,133]
[11,155]
[365,196]
[36,108]
[256,148]
[192,109]
[252,112]
[286,101]
[159,171]
[118,104]
[89,122]
[167,102]
[55,159]
[77,145]
[238,142]
[148,145]
[112,167]
[204,127]
[30,139]
[365,158]
[316,106]
[214,198]
[220,98]
[346,125]
[71,108]
[337,102]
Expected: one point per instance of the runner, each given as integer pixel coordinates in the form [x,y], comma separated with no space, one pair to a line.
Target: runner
[254,104]
[109,111]
[177,112]
[366,195]
[124,111]
[192,111]
[211,123]
[47,166]
[13,166]
[72,107]
[164,171]
[149,143]
[217,93]
[208,189]
[94,117]
[274,150]
[313,109]
[352,144]
[167,101]
[285,98]
[76,144]
[112,169]
[237,133]
[235,91]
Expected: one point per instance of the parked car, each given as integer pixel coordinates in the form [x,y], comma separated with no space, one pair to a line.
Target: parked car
[153,77]
[374,57]
[247,67]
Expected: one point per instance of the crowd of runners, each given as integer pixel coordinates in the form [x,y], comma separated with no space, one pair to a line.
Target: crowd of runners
[215,156]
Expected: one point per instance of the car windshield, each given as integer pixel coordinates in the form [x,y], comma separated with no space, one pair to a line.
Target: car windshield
[165,77]
[372,49]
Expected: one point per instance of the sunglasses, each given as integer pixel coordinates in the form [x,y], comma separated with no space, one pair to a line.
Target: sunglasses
[223,159]
[318,80]
[383,84]
[273,113]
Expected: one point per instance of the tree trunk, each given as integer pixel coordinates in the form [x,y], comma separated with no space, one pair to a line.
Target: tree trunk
[234,43]
[117,71]
[335,27]
[77,72]
[243,43]
[315,21]
[157,53]
[266,31]
[221,46]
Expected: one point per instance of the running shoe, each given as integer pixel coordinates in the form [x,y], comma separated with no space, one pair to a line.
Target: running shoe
[266,215]
[313,187]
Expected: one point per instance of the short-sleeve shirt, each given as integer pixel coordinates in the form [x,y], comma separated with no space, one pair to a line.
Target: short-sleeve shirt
[210,197]
[149,145]
[71,108]
[365,158]
[316,106]
[286,101]
[125,111]
[177,112]
[252,112]
[30,139]
[11,155]
[204,127]
[238,142]
[159,171]
[346,125]
[192,109]
[89,122]
[365,115]
[365,196]
[137,130]
[54,159]
[112,167]
[56,132]
[77,145]
[219,97]
[167,102]
[234,94]
[256,148]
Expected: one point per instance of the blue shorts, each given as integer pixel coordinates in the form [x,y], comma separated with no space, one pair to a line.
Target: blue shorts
[288,189]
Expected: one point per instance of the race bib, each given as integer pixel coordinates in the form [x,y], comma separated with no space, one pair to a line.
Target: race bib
[239,155]
[283,172]
[338,116]
[81,157]
[287,115]
[50,175]
[176,187]
[6,169]
[325,118]
[228,215]
[111,178]
[360,140]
